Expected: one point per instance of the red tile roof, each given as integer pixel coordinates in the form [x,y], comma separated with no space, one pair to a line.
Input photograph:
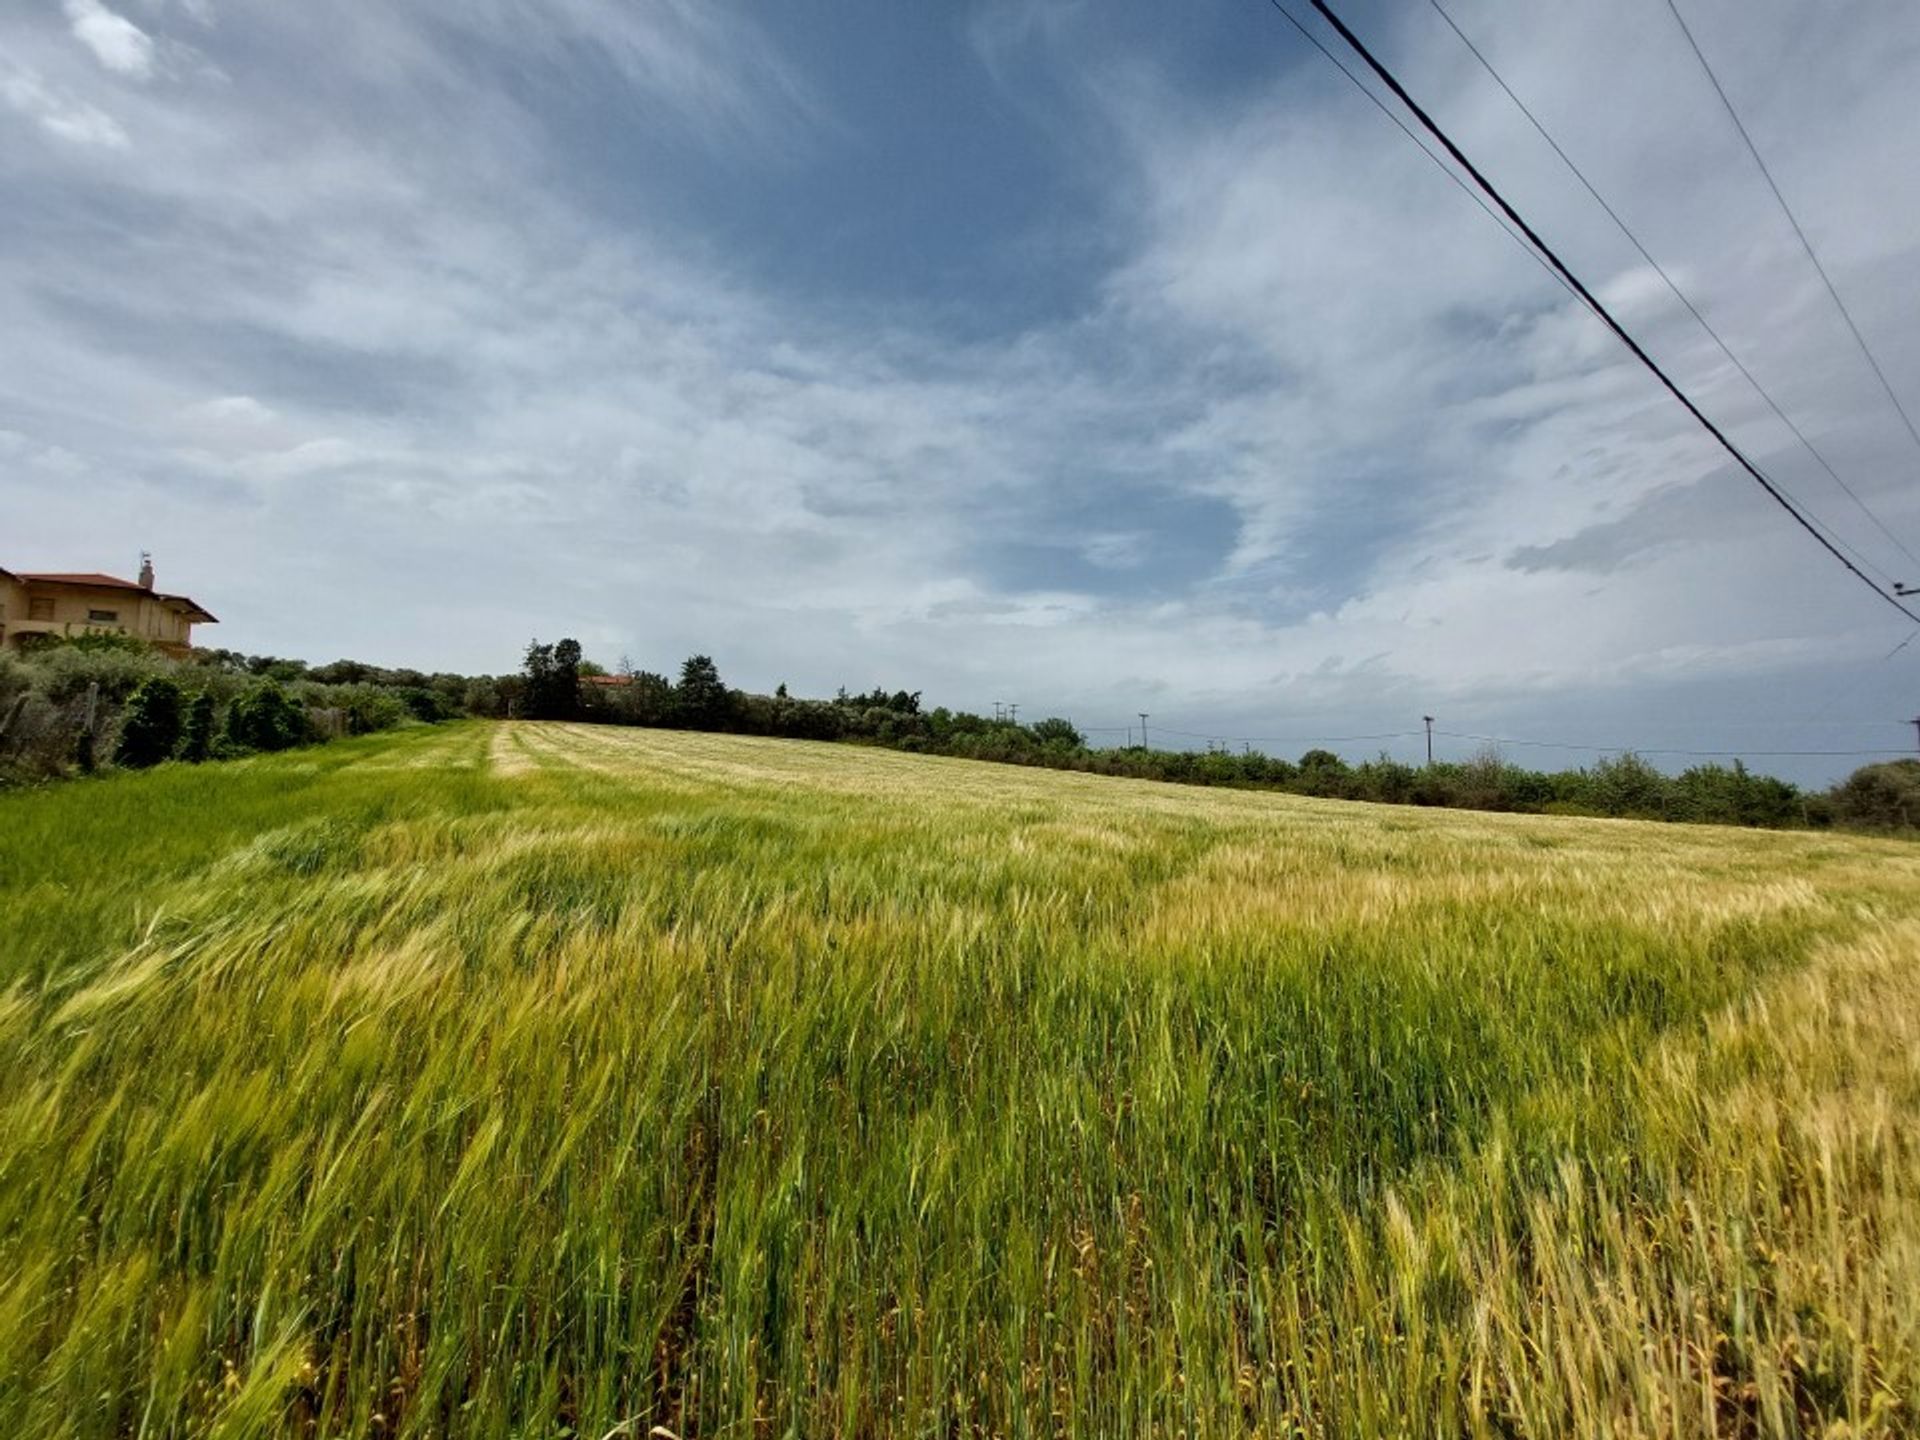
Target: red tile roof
[92,578]
[96,581]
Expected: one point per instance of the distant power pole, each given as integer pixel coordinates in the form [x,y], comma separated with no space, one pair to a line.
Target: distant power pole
[1916,730]
[1143,728]
[1429,720]
[1013,714]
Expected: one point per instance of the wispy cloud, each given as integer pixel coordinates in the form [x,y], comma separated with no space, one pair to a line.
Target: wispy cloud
[58,113]
[116,42]
[487,313]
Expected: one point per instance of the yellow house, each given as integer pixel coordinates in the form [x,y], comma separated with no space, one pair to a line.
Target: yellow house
[81,604]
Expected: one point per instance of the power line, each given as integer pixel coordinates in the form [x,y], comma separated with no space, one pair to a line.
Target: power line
[1441,165]
[1289,739]
[1446,142]
[1681,296]
[1793,220]
[1535,256]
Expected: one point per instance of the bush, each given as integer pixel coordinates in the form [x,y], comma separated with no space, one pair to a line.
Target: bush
[1627,785]
[196,739]
[425,704]
[64,672]
[265,717]
[151,730]
[1057,733]
[1885,796]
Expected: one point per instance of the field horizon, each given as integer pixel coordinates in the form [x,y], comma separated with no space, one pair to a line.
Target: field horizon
[517,1079]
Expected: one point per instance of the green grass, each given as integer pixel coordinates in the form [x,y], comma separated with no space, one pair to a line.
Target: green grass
[539,1081]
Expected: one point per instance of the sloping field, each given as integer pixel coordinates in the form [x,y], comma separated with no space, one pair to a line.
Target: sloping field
[528,1081]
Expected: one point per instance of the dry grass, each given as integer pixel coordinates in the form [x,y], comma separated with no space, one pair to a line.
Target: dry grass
[534,1081]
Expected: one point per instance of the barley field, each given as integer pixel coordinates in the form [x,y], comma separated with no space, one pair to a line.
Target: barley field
[536,1081]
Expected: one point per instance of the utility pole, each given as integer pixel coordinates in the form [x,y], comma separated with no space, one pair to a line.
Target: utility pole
[1916,731]
[1429,720]
[1143,728]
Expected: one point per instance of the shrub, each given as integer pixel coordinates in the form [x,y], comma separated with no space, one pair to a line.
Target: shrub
[196,738]
[1058,733]
[425,704]
[1627,785]
[107,642]
[1881,797]
[63,672]
[265,718]
[151,730]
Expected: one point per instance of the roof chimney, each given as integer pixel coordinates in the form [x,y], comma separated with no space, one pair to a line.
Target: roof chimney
[146,570]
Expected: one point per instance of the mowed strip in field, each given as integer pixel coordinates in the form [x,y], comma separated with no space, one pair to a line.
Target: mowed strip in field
[526,1080]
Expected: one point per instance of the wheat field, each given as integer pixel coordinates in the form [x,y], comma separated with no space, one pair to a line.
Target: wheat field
[542,1081]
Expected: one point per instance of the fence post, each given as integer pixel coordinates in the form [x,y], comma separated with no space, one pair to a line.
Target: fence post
[83,743]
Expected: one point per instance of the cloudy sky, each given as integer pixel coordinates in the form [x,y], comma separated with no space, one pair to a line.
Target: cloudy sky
[1098,357]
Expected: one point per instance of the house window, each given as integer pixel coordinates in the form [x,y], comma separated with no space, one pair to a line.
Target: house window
[103,617]
[39,607]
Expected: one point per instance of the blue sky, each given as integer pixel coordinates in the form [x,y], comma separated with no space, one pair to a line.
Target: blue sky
[1103,358]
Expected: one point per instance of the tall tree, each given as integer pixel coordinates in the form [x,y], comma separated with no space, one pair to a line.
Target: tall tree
[152,727]
[566,680]
[552,673]
[701,699]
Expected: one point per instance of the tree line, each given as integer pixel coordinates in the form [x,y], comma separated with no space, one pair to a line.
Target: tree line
[557,683]
[75,706]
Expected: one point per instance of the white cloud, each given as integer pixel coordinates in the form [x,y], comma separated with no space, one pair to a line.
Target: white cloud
[241,411]
[498,410]
[116,42]
[60,114]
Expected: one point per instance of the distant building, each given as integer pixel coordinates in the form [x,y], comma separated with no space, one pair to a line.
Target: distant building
[90,604]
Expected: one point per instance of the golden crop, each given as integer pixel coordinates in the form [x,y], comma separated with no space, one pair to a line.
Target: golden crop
[528,1081]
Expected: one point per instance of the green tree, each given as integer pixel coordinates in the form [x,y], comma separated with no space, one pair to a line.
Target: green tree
[701,700]
[552,684]
[566,679]
[1627,785]
[1324,773]
[265,717]
[1884,796]
[1055,733]
[151,731]
[196,737]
